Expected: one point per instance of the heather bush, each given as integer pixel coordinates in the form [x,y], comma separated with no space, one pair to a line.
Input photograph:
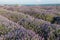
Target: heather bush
[29,23]
[14,16]
[21,34]
[45,16]
[56,20]
[54,35]
[49,17]
[3,30]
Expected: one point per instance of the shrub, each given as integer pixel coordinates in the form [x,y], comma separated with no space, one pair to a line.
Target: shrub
[3,30]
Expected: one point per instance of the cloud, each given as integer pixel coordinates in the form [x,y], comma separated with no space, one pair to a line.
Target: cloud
[9,1]
[20,1]
[29,1]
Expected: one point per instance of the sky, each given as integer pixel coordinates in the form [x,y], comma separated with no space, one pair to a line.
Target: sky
[29,1]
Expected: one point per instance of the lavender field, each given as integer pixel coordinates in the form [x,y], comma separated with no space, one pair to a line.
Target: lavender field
[29,22]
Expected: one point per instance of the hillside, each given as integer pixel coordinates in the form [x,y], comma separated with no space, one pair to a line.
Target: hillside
[29,22]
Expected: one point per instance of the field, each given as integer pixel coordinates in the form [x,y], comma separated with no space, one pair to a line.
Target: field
[29,22]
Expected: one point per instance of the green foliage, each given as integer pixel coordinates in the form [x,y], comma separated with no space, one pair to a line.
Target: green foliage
[3,30]
[13,18]
[58,31]
[54,34]
[46,17]
[28,25]
[49,17]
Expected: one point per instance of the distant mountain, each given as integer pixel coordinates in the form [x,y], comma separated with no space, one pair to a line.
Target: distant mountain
[41,4]
[33,4]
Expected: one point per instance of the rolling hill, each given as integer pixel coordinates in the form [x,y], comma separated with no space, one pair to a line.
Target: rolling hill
[29,22]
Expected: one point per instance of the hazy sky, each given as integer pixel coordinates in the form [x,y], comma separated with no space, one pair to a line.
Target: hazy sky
[29,1]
